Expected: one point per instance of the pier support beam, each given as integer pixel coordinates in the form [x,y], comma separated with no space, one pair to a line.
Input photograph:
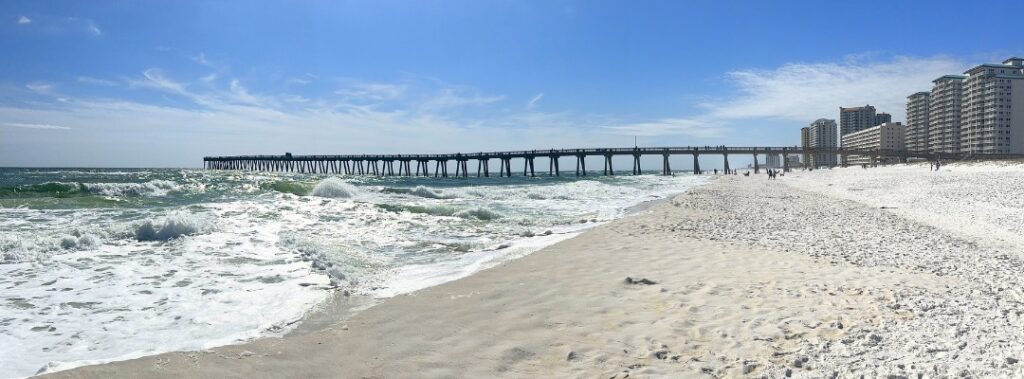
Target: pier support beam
[785,160]
[608,170]
[725,157]
[696,162]
[581,165]
[553,165]
[666,168]
[636,164]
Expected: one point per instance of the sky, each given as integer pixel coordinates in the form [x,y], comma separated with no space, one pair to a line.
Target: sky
[164,83]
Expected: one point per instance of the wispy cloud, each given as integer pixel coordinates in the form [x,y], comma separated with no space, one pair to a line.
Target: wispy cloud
[362,91]
[457,97]
[34,126]
[669,126]
[807,91]
[24,20]
[154,78]
[84,24]
[92,28]
[533,102]
[201,59]
[96,81]
[40,87]
[303,79]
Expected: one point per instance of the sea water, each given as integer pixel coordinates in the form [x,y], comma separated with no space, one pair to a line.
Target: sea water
[108,264]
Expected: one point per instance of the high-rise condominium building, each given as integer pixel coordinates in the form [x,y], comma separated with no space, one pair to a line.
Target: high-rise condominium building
[917,121]
[993,109]
[944,107]
[805,142]
[888,136]
[855,119]
[821,134]
[881,118]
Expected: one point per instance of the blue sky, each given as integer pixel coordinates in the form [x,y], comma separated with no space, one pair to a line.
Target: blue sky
[163,83]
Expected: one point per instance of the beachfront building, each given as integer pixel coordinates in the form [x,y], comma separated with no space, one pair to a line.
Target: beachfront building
[992,120]
[793,161]
[773,161]
[917,121]
[888,136]
[822,134]
[855,119]
[944,109]
[881,118]
[805,142]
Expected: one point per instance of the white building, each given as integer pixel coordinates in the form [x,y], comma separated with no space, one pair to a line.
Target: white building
[993,109]
[917,121]
[888,136]
[822,134]
[944,107]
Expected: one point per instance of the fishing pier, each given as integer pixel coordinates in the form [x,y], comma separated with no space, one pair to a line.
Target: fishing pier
[385,164]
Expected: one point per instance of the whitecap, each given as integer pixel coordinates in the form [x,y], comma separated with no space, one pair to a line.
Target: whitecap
[334,187]
[428,192]
[150,188]
[173,226]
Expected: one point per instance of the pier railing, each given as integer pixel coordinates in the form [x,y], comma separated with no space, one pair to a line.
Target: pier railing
[383,164]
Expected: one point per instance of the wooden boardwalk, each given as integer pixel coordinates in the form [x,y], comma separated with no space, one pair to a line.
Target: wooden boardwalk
[385,164]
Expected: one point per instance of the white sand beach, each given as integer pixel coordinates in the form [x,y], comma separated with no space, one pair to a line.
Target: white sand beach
[894,271]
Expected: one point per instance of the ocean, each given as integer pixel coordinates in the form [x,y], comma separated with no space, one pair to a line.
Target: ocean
[99,265]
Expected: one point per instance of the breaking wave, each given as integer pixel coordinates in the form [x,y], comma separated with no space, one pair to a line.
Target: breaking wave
[421,191]
[174,225]
[333,187]
[59,189]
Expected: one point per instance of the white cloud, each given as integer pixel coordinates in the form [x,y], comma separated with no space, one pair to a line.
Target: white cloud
[242,95]
[209,78]
[96,81]
[92,28]
[24,20]
[302,80]
[201,59]
[534,100]
[669,126]
[40,87]
[808,91]
[450,97]
[34,126]
[155,79]
[372,91]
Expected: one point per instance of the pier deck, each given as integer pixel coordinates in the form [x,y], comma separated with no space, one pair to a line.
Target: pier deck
[384,164]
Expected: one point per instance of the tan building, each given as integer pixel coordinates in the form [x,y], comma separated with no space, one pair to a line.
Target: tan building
[917,121]
[993,109]
[888,136]
[944,109]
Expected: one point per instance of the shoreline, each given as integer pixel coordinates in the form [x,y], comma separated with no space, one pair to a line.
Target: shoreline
[740,277]
[568,310]
[340,306]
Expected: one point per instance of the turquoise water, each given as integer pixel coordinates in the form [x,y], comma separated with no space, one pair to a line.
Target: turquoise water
[108,264]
